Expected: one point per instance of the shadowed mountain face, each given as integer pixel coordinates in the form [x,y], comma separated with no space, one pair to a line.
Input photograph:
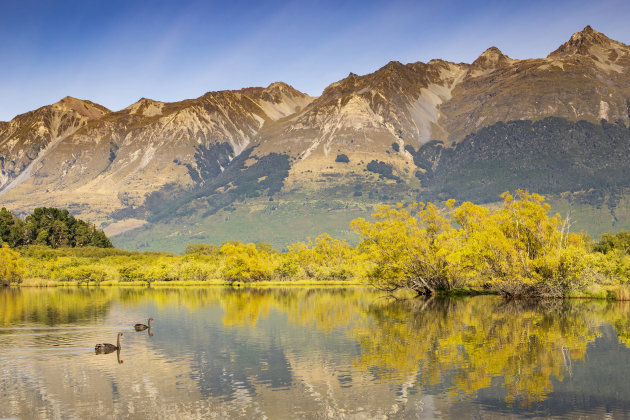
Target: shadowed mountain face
[406,131]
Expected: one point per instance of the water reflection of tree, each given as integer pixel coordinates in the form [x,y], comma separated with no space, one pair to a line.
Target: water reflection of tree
[53,306]
[321,308]
[475,343]
[462,345]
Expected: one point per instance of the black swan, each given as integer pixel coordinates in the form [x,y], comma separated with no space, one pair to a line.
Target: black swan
[106,348]
[142,327]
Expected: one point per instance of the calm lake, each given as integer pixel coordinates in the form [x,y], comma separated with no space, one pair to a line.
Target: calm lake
[309,353]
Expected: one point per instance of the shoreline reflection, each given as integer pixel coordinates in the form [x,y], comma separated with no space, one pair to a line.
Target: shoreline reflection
[295,352]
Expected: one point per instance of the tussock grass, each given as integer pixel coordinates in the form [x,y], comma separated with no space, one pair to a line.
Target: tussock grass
[217,282]
[299,283]
[38,282]
[610,292]
[619,292]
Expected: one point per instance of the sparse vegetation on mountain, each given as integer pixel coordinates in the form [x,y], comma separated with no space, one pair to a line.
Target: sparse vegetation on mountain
[551,156]
[211,161]
[246,176]
[342,158]
[383,169]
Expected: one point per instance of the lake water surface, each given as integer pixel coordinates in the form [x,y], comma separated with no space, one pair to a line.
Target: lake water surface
[309,353]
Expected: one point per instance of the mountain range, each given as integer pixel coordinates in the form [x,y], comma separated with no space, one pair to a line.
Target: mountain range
[276,165]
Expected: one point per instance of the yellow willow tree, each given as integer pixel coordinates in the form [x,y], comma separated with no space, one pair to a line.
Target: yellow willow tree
[410,248]
[519,249]
[245,262]
[11,266]
[327,258]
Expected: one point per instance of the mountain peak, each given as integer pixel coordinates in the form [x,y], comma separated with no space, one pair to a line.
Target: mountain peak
[282,87]
[70,101]
[489,60]
[273,93]
[279,85]
[492,52]
[393,66]
[582,42]
[588,34]
[146,107]
[85,108]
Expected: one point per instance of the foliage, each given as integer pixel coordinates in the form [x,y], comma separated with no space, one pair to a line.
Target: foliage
[11,266]
[11,229]
[619,241]
[202,249]
[342,158]
[245,262]
[409,248]
[83,274]
[51,227]
[519,249]
[92,252]
[615,261]
[326,259]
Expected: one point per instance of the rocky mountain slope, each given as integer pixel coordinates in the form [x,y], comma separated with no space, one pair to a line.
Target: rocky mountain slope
[96,166]
[407,131]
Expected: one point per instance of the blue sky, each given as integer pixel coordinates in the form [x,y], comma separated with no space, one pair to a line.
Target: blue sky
[116,51]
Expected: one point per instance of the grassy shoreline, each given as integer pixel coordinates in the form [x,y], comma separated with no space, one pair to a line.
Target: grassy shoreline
[609,292]
[36,282]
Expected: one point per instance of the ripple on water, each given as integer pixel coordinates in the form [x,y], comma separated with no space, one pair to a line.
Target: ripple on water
[306,353]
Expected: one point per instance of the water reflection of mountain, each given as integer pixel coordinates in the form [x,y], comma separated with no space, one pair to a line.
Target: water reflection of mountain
[291,353]
[269,349]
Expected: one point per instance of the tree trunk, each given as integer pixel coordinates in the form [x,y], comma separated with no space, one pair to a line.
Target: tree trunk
[425,291]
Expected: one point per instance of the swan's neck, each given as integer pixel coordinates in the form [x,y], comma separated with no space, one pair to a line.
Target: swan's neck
[149,322]
[118,341]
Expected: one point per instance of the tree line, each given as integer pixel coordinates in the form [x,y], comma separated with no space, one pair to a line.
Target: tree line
[518,249]
[50,227]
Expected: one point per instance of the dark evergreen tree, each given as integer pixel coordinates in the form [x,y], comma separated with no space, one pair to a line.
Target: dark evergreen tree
[11,229]
[50,227]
